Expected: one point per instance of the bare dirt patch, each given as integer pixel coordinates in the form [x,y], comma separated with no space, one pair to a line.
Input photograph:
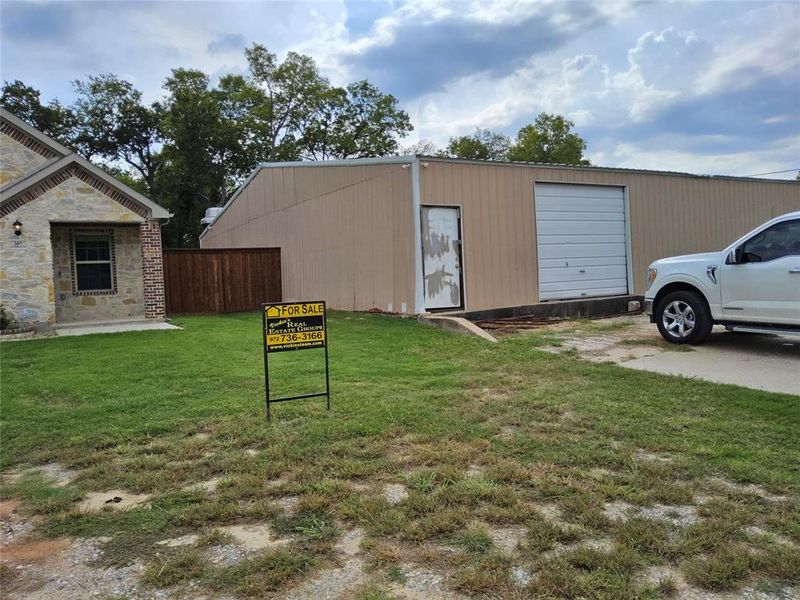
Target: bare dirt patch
[755,531]
[254,537]
[748,488]
[420,583]
[185,540]
[59,475]
[7,507]
[617,510]
[209,486]
[112,499]
[657,575]
[646,456]
[331,583]
[550,511]
[288,504]
[599,544]
[507,539]
[336,582]
[32,550]
[13,525]
[679,516]
[521,576]
[614,339]
[273,483]
[395,493]
[350,542]
[70,573]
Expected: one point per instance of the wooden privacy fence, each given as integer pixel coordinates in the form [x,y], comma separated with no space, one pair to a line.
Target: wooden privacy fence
[212,281]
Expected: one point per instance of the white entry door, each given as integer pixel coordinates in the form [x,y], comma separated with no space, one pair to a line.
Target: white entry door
[581,239]
[441,256]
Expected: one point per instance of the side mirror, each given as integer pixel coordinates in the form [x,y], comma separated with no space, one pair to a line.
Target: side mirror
[737,256]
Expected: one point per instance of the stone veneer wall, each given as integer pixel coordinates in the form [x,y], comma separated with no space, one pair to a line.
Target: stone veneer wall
[126,302]
[26,262]
[17,161]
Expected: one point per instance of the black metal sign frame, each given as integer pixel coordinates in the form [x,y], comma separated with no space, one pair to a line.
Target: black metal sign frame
[267,352]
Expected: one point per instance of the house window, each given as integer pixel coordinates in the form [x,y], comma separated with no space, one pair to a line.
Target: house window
[93,263]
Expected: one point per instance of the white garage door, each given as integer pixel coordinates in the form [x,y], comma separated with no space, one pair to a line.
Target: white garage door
[580,234]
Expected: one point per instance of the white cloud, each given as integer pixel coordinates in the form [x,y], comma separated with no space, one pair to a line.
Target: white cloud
[625,72]
[738,163]
[762,42]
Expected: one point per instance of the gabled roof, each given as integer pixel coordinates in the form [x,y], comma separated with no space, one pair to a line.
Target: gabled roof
[64,159]
[34,133]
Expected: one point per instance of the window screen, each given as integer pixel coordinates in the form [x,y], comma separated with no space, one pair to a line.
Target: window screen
[93,265]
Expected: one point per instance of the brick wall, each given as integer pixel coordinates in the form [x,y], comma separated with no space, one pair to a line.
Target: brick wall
[153,268]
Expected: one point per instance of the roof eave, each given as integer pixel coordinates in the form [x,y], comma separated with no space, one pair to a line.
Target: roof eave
[156,211]
[40,137]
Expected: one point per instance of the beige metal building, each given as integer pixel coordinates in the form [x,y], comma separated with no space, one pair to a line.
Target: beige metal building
[416,234]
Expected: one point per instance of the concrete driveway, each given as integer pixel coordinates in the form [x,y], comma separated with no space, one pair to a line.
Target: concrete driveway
[761,362]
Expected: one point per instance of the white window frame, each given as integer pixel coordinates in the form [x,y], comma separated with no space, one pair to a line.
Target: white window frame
[111,262]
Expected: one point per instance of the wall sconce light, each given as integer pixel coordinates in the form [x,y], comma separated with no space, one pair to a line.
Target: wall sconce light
[17,225]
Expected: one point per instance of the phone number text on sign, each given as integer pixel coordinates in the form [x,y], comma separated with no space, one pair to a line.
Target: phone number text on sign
[295,326]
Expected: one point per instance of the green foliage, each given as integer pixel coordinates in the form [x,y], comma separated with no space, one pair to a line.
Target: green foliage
[481,145]
[549,140]
[53,118]
[6,318]
[474,539]
[352,123]
[192,148]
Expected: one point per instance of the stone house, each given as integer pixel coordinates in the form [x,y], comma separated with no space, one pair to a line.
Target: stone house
[76,245]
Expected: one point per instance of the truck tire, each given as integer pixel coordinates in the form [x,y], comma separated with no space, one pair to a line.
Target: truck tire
[683,317]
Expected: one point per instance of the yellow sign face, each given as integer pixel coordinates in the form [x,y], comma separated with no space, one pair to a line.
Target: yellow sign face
[294,326]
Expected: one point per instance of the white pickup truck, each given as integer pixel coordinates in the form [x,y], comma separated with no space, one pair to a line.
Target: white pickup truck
[753,285]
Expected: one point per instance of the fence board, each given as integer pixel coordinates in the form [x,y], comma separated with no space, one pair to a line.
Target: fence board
[214,281]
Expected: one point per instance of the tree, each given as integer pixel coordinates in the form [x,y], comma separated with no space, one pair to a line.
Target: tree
[421,148]
[300,115]
[291,90]
[549,140]
[192,148]
[112,124]
[481,145]
[195,153]
[53,119]
[354,122]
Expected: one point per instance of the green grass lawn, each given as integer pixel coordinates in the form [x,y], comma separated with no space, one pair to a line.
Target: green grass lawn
[481,435]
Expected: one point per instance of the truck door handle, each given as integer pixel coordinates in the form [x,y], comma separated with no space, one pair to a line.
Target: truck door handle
[795,270]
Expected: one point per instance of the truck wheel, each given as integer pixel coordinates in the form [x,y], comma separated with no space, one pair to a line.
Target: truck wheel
[683,318]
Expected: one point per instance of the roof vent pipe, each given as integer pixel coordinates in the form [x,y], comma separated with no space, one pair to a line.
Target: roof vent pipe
[211,214]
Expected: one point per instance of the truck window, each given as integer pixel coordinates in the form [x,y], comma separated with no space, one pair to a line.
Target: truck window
[782,239]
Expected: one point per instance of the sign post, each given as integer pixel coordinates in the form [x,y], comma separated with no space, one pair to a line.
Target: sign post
[288,326]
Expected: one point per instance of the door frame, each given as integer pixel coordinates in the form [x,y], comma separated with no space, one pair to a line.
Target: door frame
[462,290]
[626,203]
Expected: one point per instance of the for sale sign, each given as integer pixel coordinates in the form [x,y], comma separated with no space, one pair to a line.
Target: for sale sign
[294,326]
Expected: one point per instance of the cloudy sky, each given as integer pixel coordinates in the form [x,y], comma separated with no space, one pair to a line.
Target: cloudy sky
[709,87]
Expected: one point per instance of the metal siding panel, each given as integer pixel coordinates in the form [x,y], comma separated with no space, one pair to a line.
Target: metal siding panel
[705,214]
[342,231]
